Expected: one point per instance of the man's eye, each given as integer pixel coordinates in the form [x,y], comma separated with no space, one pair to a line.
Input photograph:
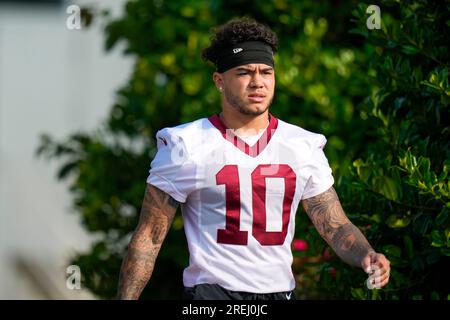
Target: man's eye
[242,73]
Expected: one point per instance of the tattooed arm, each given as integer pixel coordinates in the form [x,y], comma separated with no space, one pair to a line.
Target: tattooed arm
[344,237]
[158,210]
[328,217]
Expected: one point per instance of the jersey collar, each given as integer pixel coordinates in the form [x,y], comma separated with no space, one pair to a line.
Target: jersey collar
[254,150]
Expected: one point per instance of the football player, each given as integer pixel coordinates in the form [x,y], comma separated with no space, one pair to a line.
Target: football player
[239,177]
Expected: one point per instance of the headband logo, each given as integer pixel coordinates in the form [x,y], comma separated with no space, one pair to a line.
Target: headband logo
[236,50]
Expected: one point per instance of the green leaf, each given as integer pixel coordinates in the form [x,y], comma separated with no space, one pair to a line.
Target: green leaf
[408,246]
[358,293]
[421,224]
[67,168]
[431,85]
[437,239]
[373,295]
[410,49]
[392,251]
[362,169]
[386,186]
[396,221]
[446,166]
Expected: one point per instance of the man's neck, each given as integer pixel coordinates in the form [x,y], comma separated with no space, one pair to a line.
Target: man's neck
[245,124]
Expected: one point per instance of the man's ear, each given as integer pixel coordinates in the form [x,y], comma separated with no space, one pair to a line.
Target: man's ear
[218,81]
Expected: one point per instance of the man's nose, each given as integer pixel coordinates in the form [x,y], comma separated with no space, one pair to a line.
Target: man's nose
[256,81]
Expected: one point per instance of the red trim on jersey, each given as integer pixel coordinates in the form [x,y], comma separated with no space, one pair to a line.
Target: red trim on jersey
[254,150]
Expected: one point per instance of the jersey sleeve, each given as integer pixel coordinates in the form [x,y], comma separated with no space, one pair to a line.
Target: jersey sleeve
[171,170]
[319,171]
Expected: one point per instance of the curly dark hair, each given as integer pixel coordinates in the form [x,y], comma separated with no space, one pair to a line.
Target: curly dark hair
[236,31]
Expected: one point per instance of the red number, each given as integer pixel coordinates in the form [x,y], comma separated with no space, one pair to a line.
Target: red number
[228,175]
[271,238]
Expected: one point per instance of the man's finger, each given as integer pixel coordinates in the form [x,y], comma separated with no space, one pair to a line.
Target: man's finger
[384,282]
[380,279]
[367,262]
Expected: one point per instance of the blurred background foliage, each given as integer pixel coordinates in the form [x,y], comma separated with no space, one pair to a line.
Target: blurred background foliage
[381,97]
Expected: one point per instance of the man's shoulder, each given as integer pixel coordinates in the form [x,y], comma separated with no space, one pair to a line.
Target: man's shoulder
[185,128]
[296,134]
[189,134]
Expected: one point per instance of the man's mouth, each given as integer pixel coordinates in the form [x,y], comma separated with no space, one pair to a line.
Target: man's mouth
[256,97]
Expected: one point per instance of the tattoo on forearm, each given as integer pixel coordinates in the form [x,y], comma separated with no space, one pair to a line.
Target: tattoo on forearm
[327,215]
[137,268]
[157,213]
[350,244]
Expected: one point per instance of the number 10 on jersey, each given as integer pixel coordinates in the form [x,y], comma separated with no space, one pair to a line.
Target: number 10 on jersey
[232,234]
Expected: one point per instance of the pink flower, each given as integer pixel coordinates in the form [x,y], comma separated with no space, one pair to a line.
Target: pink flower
[300,245]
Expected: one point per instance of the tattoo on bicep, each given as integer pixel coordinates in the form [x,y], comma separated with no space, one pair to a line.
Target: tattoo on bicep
[174,203]
[158,211]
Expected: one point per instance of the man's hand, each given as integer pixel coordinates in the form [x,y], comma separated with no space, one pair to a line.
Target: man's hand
[378,267]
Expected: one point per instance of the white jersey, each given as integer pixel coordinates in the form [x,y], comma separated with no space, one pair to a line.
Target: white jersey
[239,201]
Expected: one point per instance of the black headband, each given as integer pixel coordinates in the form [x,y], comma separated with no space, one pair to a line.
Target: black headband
[245,53]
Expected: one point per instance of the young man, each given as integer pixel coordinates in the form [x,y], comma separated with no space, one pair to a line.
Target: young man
[239,177]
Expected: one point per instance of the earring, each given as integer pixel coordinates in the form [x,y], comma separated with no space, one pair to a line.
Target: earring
[220,89]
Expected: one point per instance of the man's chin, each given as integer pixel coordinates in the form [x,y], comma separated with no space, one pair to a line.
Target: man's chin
[254,109]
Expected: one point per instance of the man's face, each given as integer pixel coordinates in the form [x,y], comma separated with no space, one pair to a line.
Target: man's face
[248,88]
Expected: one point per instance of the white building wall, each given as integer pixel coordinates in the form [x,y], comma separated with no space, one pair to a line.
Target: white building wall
[56,81]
